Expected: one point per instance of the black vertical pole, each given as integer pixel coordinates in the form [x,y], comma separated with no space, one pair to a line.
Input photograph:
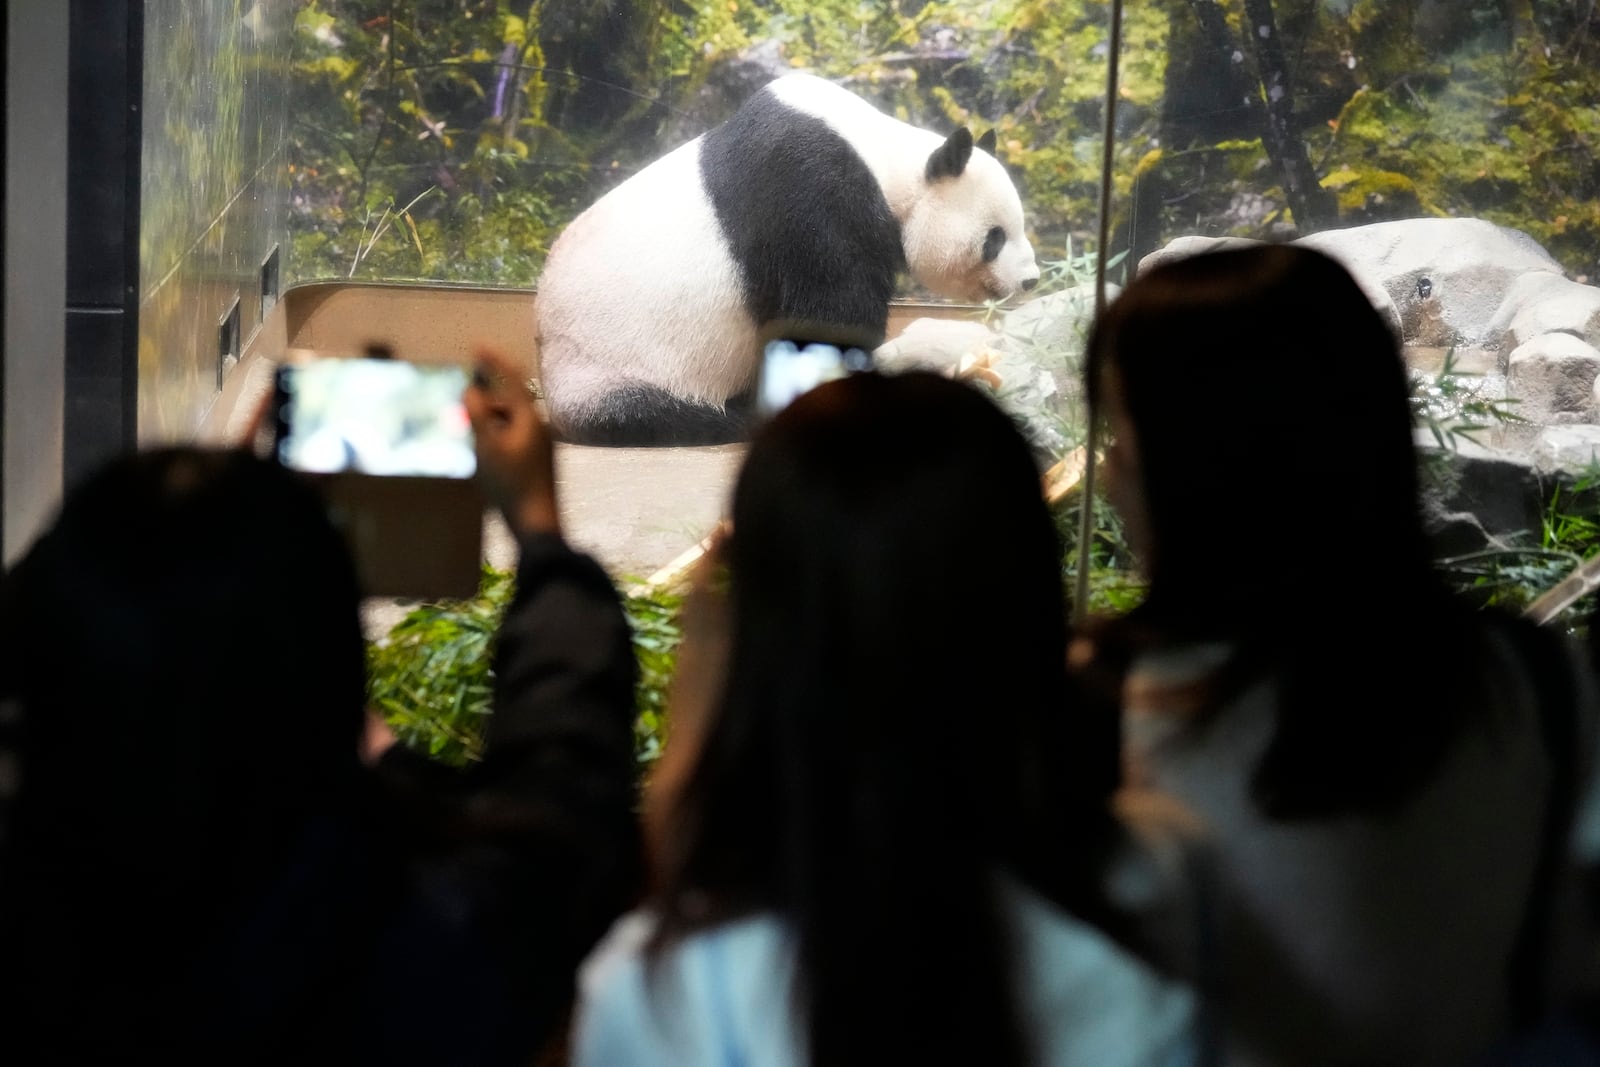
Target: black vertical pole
[1080,605]
[106,77]
[5,50]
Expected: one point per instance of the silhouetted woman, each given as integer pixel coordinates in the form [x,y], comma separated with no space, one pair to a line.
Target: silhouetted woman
[195,865]
[1370,755]
[889,842]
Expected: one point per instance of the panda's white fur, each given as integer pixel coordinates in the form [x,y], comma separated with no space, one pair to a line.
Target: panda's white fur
[641,285]
[646,317]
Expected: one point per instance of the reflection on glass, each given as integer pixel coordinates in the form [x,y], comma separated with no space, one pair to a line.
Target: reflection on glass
[214,111]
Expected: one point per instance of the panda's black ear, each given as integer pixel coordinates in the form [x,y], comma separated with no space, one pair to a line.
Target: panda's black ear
[950,158]
[987,142]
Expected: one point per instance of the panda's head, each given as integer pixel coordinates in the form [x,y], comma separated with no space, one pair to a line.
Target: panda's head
[963,236]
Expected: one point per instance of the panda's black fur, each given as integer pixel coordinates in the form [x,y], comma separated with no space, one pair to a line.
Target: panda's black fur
[635,414]
[803,217]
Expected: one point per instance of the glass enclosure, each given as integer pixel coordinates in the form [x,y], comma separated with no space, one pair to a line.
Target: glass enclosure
[1443,149]
[213,200]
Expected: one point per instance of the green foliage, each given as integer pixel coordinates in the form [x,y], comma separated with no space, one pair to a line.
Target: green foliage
[395,100]
[837,37]
[1514,576]
[1040,369]
[1115,585]
[657,632]
[1404,108]
[1453,404]
[1504,135]
[430,677]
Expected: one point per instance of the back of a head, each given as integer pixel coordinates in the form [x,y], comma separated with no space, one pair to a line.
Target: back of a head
[1272,425]
[189,668]
[1270,407]
[896,573]
[892,728]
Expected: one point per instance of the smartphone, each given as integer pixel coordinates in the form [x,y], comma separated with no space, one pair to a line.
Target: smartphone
[389,444]
[373,416]
[791,366]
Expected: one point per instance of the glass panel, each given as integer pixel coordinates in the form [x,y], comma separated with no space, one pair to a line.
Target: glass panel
[1275,119]
[212,200]
[1445,151]
[455,141]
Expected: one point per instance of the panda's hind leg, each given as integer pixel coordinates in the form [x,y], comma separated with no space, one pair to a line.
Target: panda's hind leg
[637,414]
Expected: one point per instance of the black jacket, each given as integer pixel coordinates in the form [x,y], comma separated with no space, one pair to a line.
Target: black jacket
[437,917]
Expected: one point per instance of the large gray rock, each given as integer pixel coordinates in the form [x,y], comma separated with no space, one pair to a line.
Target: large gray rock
[1438,281]
[1553,378]
[1446,277]
[1475,497]
[1539,303]
[1497,304]
[1182,247]
[1566,448]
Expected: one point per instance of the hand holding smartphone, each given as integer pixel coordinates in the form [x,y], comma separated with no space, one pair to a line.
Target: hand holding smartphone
[391,446]
[516,461]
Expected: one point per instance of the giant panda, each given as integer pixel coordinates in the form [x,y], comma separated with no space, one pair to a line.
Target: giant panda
[805,205]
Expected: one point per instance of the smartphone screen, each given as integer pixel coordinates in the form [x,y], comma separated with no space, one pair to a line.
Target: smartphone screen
[374,416]
[789,367]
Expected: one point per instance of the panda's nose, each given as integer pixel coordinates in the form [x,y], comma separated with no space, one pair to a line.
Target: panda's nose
[1029,283]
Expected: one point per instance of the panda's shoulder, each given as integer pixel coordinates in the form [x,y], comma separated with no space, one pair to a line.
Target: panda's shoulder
[800,87]
[818,97]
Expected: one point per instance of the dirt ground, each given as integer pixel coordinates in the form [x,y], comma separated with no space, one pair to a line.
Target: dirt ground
[637,509]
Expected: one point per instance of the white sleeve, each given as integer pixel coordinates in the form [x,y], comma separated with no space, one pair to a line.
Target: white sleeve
[618,1024]
[719,997]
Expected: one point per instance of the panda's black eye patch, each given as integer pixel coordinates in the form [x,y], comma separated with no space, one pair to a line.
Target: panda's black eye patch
[993,243]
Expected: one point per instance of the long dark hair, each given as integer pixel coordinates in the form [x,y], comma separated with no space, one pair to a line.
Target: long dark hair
[1270,409]
[894,729]
[185,648]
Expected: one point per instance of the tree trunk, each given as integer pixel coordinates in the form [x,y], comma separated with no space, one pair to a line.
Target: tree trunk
[1312,206]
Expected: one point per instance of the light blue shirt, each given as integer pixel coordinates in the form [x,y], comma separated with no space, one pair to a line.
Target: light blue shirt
[720,997]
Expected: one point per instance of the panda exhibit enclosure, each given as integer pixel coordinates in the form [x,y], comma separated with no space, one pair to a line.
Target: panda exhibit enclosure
[251,182]
[636,509]
[1442,150]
